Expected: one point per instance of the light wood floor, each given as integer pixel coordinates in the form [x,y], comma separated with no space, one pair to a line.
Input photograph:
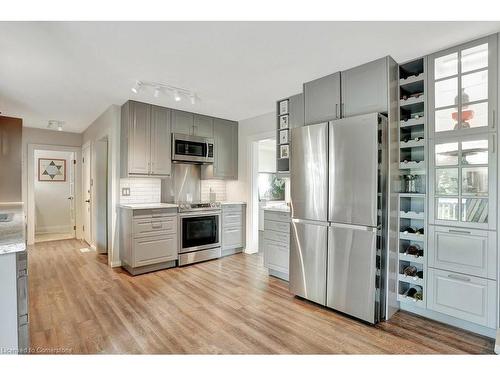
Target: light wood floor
[79,305]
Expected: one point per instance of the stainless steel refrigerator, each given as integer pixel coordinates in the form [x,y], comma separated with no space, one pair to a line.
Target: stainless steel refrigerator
[338,191]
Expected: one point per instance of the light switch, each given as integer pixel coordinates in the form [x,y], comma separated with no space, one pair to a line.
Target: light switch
[125,191]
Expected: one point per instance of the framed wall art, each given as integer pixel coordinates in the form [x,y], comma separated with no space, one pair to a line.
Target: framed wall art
[51,170]
[284,122]
[283,136]
[284,152]
[283,107]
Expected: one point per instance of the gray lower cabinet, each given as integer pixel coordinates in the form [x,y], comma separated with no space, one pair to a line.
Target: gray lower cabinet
[145,140]
[365,88]
[148,239]
[233,228]
[277,243]
[462,296]
[322,99]
[225,166]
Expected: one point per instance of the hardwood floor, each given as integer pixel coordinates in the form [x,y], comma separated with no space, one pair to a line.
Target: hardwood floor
[227,306]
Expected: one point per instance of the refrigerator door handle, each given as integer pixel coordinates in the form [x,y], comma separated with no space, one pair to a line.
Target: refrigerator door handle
[356,227]
[311,222]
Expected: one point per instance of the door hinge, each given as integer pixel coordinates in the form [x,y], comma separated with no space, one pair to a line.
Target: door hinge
[83,228]
[74,161]
[74,227]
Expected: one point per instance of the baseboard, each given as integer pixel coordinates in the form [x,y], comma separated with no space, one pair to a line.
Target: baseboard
[455,322]
[497,342]
[53,229]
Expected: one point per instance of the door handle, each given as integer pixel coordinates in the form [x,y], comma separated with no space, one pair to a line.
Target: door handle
[88,200]
[336,110]
[70,198]
[458,277]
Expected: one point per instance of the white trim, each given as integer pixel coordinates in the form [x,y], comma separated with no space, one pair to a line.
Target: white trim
[88,145]
[253,206]
[115,264]
[30,208]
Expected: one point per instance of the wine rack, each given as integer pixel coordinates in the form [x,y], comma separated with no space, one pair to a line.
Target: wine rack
[412,202]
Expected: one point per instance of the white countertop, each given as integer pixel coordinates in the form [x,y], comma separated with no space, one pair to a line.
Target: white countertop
[147,206]
[12,233]
[229,202]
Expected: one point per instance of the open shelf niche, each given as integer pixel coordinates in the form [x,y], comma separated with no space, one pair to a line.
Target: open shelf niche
[412,215]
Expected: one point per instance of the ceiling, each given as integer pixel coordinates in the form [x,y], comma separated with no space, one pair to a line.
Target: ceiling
[73,71]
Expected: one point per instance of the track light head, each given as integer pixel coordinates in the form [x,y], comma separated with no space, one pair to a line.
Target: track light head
[177,97]
[157,92]
[136,88]
[193,99]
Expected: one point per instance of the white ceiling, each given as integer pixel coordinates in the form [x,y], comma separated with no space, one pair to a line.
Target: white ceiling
[72,71]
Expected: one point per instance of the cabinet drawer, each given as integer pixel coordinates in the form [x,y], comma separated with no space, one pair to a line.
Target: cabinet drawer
[465,297]
[232,218]
[232,208]
[277,216]
[468,251]
[155,249]
[276,256]
[277,226]
[282,237]
[232,237]
[146,227]
[155,213]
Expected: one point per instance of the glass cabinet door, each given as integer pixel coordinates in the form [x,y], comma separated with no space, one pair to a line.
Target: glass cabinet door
[461,99]
[463,181]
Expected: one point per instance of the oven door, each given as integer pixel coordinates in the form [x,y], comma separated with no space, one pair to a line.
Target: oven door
[192,149]
[200,231]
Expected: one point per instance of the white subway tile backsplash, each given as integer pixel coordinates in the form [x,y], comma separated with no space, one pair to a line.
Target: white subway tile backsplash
[142,190]
[218,186]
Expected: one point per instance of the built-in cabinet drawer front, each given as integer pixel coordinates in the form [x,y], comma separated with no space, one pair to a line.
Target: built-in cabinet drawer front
[465,297]
[232,218]
[277,226]
[282,237]
[276,255]
[232,237]
[466,251]
[155,249]
[232,208]
[277,216]
[155,213]
[160,226]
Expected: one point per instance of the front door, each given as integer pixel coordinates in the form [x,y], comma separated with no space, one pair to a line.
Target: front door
[87,195]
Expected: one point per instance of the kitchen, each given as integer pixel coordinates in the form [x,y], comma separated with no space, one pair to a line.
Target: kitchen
[387,217]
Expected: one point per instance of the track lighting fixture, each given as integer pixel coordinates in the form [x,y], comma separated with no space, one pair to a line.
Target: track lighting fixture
[56,125]
[160,88]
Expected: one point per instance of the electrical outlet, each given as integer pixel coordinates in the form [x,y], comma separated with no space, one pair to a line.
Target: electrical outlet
[126,192]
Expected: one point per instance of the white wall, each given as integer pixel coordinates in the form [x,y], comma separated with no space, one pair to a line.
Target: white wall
[52,207]
[267,156]
[107,125]
[250,131]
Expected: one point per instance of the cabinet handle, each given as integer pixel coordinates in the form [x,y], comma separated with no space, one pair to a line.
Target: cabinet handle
[493,145]
[336,110]
[459,231]
[493,120]
[342,112]
[458,277]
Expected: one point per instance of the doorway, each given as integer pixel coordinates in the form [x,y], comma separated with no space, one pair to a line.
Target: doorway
[54,195]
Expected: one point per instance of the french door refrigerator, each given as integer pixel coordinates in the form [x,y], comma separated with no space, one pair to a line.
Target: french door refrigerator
[338,192]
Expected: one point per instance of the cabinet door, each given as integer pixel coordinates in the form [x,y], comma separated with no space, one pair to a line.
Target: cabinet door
[160,141]
[203,126]
[322,99]
[151,250]
[464,297]
[232,237]
[226,149]
[296,110]
[468,251]
[182,122]
[365,88]
[276,256]
[139,138]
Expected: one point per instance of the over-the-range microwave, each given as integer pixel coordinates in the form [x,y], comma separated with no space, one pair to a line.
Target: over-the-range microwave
[192,149]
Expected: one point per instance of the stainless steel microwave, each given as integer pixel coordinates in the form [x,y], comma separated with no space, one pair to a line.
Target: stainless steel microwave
[192,149]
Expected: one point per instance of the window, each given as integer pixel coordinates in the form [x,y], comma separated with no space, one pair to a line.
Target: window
[271,188]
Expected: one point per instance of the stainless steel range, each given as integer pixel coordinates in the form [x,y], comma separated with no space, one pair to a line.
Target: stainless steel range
[200,227]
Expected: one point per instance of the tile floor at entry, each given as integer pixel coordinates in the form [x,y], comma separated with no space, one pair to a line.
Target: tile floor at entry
[80,305]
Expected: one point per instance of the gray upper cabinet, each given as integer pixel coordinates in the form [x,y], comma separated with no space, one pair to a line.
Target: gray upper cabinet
[160,141]
[365,88]
[225,165]
[145,140]
[203,126]
[138,137]
[182,122]
[322,99]
[296,111]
